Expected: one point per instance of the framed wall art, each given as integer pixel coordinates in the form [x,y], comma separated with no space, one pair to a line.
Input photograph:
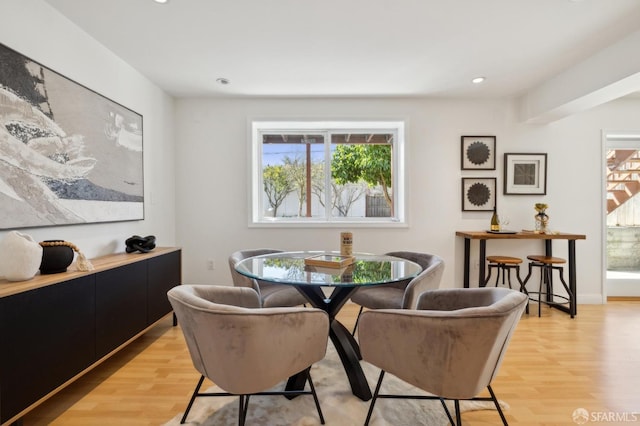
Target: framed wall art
[478,194]
[478,153]
[525,174]
[68,155]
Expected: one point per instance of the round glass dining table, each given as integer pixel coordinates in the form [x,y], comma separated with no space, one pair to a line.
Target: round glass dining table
[329,288]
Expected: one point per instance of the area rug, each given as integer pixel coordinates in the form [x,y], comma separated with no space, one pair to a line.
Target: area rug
[338,404]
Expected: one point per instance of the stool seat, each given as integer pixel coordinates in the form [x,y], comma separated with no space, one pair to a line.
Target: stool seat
[547,260]
[507,260]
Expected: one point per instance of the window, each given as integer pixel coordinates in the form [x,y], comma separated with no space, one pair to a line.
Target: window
[327,173]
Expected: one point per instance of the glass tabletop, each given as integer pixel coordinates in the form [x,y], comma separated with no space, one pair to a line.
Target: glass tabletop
[290,268]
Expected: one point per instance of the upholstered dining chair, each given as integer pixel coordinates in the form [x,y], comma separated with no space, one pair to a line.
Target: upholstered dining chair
[271,295]
[404,294]
[244,350]
[451,345]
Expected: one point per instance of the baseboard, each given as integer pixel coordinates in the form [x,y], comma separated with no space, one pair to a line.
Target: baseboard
[623,299]
[591,299]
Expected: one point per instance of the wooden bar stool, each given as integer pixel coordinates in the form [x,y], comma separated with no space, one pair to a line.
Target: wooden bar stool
[503,266]
[547,264]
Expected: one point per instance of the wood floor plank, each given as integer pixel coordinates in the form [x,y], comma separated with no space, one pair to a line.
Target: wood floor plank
[553,366]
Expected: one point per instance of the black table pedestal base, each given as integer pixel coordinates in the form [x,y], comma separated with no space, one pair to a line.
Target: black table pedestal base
[345,344]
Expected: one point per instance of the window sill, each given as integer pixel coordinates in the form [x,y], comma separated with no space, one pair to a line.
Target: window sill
[325,224]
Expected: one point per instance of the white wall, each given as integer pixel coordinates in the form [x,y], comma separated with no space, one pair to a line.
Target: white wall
[38,31]
[212,180]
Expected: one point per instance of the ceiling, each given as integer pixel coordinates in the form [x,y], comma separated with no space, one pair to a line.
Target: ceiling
[353,47]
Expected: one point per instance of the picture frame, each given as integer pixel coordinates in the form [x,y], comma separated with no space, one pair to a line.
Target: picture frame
[478,194]
[525,173]
[478,153]
[72,155]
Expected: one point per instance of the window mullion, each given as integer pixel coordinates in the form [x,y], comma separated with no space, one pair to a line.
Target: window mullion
[328,205]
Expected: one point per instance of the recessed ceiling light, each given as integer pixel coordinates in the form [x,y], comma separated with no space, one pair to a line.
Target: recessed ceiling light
[478,80]
[223,81]
[161,1]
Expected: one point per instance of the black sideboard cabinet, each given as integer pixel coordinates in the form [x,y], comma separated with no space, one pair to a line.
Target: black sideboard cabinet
[56,327]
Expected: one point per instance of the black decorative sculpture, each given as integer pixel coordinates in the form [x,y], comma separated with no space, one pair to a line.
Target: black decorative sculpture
[141,244]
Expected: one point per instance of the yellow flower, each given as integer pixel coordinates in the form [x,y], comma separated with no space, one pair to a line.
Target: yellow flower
[541,207]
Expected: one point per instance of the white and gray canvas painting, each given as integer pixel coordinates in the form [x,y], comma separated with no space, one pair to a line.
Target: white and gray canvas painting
[67,154]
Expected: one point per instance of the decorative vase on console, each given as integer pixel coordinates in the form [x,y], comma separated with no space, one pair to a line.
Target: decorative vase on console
[57,255]
[20,257]
[542,219]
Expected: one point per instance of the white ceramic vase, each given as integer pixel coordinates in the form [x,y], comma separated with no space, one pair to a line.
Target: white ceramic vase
[20,257]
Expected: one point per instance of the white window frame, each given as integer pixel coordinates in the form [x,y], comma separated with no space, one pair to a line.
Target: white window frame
[256,208]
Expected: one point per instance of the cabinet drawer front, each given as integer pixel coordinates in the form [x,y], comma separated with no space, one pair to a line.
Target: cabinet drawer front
[121,305]
[46,337]
[164,274]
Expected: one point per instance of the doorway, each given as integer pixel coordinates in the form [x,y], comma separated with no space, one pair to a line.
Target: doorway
[622,222]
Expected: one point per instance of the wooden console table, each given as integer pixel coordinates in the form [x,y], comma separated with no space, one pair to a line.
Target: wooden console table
[483,236]
[54,328]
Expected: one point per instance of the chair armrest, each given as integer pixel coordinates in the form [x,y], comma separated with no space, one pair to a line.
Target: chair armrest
[452,299]
[225,295]
[426,281]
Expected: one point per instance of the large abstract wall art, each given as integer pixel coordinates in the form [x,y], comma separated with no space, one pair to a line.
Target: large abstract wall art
[68,155]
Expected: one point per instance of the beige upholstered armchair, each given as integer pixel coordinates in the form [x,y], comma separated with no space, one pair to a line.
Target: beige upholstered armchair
[402,295]
[244,350]
[271,295]
[451,345]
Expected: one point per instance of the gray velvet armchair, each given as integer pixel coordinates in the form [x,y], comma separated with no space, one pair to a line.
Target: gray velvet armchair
[271,295]
[245,349]
[402,295]
[451,345]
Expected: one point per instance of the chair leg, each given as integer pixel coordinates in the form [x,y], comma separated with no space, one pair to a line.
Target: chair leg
[542,274]
[526,280]
[374,398]
[572,308]
[508,271]
[446,410]
[243,404]
[505,271]
[499,271]
[193,398]
[549,282]
[355,326]
[458,418]
[486,281]
[243,400]
[495,401]
[315,397]
[523,288]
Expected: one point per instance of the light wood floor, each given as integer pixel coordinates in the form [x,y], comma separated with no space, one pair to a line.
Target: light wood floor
[553,366]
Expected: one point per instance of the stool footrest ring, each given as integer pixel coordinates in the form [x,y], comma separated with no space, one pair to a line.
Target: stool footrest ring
[565,299]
